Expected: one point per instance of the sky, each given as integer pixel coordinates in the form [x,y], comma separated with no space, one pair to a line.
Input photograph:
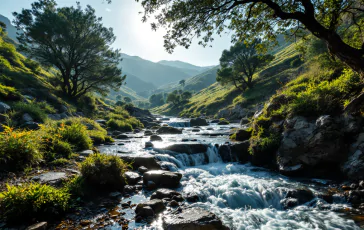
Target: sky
[133,36]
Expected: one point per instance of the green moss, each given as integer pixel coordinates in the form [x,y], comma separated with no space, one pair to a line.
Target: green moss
[32,200]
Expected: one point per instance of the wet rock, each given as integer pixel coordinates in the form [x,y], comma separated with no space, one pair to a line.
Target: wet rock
[244,121]
[195,130]
[173,203]
[225,153]
[148,133]
[240,151]
[192,197]
[155,138]
[38,226]
[132,178]
[52,178]
[187,148]
[122,137]
[146,160]
[4,108]
[145,212]
[164,193]
[151,185]
[313,148]
[142,169]
[242,135]
[214,121]
[149,144]
[164,119]
[355,196]
[156,205]
[198,122]
[129,189]
[302,195]
[168,130]
[192,218]
[223,122]
[162,178]
[86,153]
[289,203]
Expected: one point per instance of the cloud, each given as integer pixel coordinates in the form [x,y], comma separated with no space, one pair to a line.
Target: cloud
[108,10]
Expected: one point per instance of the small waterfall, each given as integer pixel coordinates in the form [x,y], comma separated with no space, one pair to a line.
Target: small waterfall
[213,154]
[171,159]
[177,124]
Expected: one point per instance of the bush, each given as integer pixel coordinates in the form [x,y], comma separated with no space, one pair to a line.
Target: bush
[119,125]
[33,200]
[62,149]
[105,171]
[19,149]
[75,134]
[60,162]
[33,109]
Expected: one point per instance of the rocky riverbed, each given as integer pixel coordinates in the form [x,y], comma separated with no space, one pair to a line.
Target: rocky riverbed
[189,179]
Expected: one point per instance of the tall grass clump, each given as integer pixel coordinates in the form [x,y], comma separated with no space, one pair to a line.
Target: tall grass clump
[33,200]
[19,148]
[119,125]
[75,134]
[104,171]
[35,110]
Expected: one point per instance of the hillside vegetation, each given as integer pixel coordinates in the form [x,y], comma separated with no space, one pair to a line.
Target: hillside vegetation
[215,98]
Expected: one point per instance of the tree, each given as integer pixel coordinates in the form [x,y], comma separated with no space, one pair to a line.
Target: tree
[182,82]
[73,41]
[127,99]
[338,23]
[186,95]
[240,63]
[173,98]
[156,99]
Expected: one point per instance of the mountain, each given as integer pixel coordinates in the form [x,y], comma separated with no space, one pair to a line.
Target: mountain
[136,84]
[195,84]
[186,67]
[10,29]
[149,71]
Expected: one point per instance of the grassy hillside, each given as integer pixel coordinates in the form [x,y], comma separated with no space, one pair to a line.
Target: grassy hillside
[216,97]
[136,84]
[186,67]
[125,91]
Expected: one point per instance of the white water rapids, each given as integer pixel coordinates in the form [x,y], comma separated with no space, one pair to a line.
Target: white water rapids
[243,196]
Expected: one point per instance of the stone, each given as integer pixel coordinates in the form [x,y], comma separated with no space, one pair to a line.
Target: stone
[55,117]
[38,226]
[132,178]
[4,108]
[240,151]
[26,117]
[198,122]
[214,121]
[193,218]
[173,203]
[355,196]
[163,193]
[302,195]
[31,125]
[169,130]
[146,160]
[162,178]
[129,189]
[275,103]
[361,184]
[155,138]
[64,115]
[243,135]
[165,119]
[244,121]
[51,178]
[148,133]
[145,212]
[100,121]
[353,167]
[289,203]
[187,148]
[151,185]
[63,109]
[149,144]
[122,137]
[195,130]
[142,169]
[86,153]
[192,197]
[225,153]
[312,148]
[223,122]
[157,206]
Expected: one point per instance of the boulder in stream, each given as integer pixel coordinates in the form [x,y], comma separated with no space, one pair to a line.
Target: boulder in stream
[155,138]
[168,130]
[198,122]
[143,209]
[163,193]
[132,177]
[193,218]
[146,160]
[162,178]
[187,148]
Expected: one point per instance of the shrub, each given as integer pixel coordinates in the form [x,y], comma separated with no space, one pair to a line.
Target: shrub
[33,200]
[33,109]
[119,125]
[76,134]
[105,170]
[9,93]
[60,162]
[19,148]
[62,149]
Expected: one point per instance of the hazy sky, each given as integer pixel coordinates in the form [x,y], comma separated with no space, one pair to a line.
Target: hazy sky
[133,36]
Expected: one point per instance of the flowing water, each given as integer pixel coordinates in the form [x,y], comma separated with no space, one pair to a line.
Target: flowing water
[243,196]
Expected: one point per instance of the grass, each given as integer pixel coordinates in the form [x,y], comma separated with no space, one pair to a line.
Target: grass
[104,170]
[36,110]
[33,200]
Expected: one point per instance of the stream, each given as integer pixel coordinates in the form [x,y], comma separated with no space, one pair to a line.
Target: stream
[241,195]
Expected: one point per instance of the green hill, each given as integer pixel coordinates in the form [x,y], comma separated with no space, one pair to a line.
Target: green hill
[186,67]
